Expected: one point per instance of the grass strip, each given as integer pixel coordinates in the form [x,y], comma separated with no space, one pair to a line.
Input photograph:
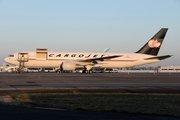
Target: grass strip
[161,104]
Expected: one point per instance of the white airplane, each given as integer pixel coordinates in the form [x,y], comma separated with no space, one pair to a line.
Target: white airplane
[66,61]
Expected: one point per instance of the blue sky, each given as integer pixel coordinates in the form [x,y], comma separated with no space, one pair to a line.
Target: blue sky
[88,26]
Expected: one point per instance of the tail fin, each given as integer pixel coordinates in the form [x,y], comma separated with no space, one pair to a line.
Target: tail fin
[154,44]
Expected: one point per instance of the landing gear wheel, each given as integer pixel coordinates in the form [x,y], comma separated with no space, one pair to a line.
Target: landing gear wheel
[84,71]
[90,71]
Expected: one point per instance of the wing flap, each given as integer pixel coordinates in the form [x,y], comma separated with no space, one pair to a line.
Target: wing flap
[100,58]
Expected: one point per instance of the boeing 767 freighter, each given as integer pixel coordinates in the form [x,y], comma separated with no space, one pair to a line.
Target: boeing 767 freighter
[66,61]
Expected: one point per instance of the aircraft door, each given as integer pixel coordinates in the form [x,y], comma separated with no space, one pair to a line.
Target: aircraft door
[23,57]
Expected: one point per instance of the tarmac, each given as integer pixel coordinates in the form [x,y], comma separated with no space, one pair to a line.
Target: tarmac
[17,83]
[20,112]
[13,83]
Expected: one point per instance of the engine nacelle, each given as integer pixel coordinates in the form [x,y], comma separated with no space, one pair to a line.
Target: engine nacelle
[68,66]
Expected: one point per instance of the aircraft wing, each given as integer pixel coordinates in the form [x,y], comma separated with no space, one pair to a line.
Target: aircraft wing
[158,57]
[100,58]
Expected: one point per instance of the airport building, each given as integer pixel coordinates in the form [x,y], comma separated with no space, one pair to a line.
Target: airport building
[169,69]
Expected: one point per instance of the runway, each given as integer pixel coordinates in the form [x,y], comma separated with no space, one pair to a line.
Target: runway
[15,83]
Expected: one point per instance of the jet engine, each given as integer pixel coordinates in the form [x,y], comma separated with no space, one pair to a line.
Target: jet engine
[67,66]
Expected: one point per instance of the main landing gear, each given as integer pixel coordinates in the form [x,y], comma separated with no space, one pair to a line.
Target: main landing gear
[87,69]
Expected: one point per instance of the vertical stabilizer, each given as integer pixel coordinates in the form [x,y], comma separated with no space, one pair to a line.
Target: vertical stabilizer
[154,44]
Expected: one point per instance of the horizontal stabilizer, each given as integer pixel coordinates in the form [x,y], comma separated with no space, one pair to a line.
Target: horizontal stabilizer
[158,57]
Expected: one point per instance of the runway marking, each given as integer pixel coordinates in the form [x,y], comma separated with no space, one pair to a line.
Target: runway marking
[95,84]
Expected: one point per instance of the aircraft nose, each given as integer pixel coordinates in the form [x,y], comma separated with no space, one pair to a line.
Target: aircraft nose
[6,59]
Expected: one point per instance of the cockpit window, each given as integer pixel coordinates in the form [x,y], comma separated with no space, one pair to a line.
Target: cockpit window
[11,55]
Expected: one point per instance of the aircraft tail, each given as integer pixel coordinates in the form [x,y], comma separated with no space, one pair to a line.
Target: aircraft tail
[154,44]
